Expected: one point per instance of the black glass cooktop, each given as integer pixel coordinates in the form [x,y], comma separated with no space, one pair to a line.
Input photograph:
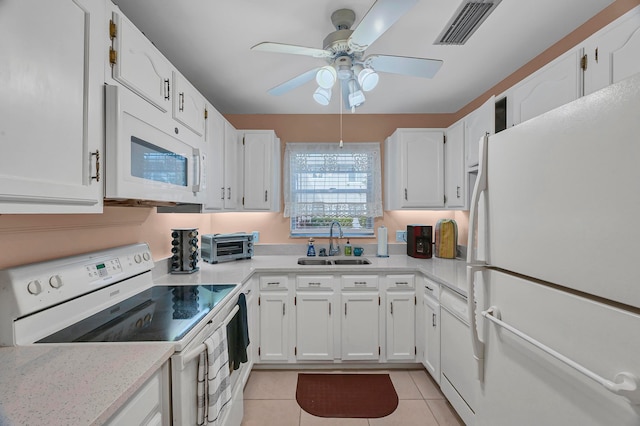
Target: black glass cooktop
[159,314]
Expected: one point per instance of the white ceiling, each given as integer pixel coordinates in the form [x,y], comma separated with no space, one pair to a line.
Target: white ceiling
[209,41]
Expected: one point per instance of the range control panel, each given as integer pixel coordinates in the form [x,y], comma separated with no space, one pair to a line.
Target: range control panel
[36,286]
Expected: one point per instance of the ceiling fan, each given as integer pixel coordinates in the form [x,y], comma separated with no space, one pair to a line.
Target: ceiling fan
[344,50]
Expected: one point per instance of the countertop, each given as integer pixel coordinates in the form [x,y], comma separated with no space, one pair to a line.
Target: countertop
[76,384]
[85,384]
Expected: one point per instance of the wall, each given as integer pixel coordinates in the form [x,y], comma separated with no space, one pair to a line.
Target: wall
[32,238]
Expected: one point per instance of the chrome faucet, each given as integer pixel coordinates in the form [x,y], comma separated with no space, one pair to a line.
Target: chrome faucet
[333,250]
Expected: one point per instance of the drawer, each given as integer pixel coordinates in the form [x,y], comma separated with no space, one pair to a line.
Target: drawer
[431,289]
[399,282]
[274,282]
[359,282]
[312,282]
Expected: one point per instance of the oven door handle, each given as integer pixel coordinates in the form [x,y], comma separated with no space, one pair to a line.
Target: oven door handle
[193,353]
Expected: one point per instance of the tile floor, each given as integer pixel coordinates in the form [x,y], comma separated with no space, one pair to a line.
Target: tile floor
[270,399]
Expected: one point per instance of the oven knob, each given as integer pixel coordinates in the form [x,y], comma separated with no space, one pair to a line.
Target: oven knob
[137,258]
[146,256]
[34,287]
[55,281]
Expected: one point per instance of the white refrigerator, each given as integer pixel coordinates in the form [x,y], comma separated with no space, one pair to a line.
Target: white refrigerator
[555,273]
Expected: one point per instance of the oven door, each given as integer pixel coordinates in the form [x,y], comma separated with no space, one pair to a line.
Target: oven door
[149,156]
[184,376]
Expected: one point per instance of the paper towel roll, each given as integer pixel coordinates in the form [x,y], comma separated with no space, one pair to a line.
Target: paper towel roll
[382,242]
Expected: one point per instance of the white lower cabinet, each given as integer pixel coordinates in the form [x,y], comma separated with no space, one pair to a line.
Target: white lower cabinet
[401,322]
[150,405]
[314,325]
[274,318]
[431,329]
[360,333]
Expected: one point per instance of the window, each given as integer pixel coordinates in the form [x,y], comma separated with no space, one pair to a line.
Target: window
[325,183]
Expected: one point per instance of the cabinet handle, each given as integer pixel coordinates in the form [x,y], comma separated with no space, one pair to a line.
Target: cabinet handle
[284,306]
[228,193]
[329,308]
[266,198]
[274,283]
[402,283]
[433,320]
[458,191]
[181,102]
[167,90]
[345,309]
[405,194]
[391,308]
[222,198]
[97,154]
[360,283]
[314,284]
[428,288]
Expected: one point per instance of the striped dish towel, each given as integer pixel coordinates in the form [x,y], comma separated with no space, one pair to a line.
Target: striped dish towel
[218,384]
[201,390]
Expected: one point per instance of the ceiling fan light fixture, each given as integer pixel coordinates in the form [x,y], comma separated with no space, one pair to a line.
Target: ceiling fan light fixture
[322,96]
[368,79]
[356,97]
[326,77]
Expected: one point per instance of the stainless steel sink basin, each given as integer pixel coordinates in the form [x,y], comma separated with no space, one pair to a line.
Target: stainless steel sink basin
[313,261]
[354,261]
[329,261]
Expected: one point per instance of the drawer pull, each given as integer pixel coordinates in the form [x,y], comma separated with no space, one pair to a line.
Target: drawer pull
[315,284]
[360,283]
[428,288]
[402,283]
[274,283]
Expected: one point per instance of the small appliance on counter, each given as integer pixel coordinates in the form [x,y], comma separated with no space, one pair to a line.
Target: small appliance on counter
[419,241]
[184,258]
[218,248]
[446,238]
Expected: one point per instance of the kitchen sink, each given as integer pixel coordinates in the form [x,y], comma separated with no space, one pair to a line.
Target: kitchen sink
[329,261]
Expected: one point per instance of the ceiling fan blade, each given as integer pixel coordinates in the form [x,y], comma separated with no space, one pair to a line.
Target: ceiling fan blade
[291,49]
[294,83]
[405,65]
[382,15]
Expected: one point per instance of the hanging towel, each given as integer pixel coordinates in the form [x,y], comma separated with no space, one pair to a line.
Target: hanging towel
[201,390]
[217,383]
[238,335]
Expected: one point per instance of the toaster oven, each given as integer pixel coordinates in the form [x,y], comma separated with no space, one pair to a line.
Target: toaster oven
[216,248]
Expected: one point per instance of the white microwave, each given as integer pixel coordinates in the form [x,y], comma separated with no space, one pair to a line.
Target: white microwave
[149,155]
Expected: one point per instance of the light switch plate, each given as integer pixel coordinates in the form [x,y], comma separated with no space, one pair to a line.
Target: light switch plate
[401,236]
[256,236]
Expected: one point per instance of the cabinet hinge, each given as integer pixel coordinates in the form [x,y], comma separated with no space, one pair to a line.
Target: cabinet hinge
[415,350]
[113,56]
[445,199]
[258,300]
[295,351]
[378,300]
[243,201]
[596,55]
[258,350]
[295,300]
[206,114]
[415,300]
[243,140]
[113,29]
[444,138]
[583,62]
[379,351]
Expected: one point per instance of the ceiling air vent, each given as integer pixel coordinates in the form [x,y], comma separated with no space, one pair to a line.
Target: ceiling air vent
[466,21]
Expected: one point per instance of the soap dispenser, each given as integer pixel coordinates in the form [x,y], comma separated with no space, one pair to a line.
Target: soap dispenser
[311,250]
[347,248]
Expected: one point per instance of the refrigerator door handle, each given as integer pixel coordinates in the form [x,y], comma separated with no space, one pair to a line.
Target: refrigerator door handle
[624,384]
[479,188]
[476,344]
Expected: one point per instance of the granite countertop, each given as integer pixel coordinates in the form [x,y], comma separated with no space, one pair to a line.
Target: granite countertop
[76,384]
[87,383]
[450,273]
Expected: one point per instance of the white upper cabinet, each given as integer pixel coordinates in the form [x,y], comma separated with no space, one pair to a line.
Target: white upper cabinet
[455,174]
[476,125]
[414,169]
[613,53]
[51,131]
[261,166]
[556,84]
[138,65]
[188,104]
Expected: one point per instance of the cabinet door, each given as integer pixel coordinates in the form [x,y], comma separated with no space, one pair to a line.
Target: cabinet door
[274,329]
[455,177]
[51,131]
[360,312]
[139,65]
[554,85]
[423,156]
[258,166]
[188,104]
[401,320]
[431,322]
[612,53]
[314,325]
[231,167]
[477,124]
[214,139]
